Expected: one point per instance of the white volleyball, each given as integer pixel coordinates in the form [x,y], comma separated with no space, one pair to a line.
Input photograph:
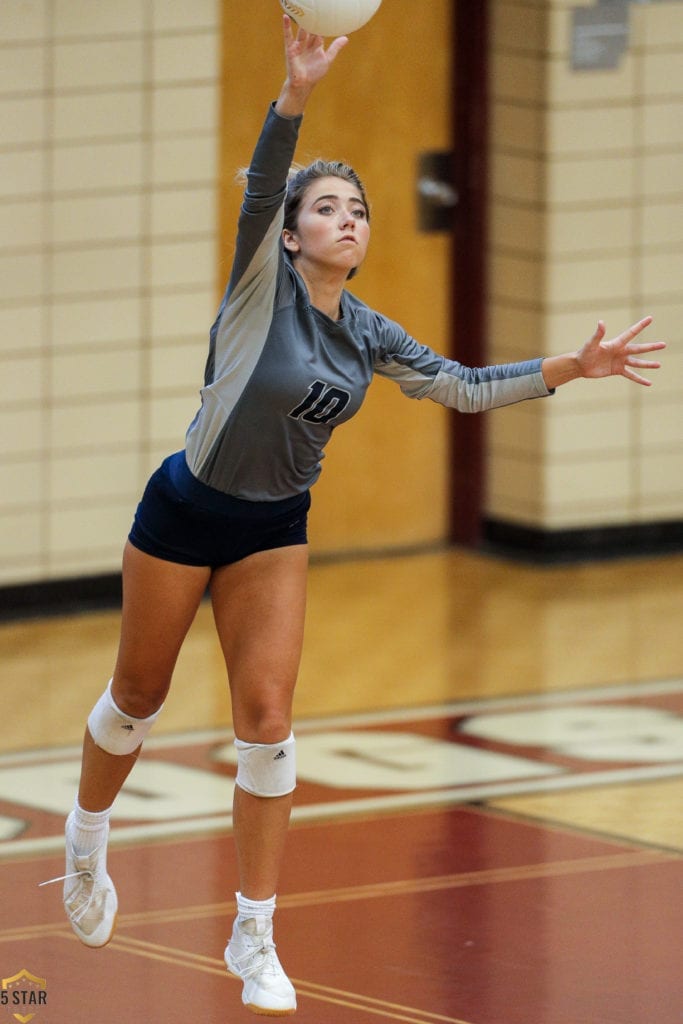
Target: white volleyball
[330,17]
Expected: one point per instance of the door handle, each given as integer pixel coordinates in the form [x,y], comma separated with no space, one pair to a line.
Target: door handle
[437,193]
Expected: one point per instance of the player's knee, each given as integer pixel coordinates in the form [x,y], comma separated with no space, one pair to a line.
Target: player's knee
[264,718]
[116,731]
[267,769]
[139,695]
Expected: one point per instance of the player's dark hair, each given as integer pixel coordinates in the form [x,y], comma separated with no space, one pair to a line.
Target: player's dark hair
[301,177]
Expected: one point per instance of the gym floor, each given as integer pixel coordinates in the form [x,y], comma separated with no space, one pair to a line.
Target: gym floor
[487,825]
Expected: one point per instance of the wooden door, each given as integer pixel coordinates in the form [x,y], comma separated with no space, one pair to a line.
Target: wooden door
[385,480]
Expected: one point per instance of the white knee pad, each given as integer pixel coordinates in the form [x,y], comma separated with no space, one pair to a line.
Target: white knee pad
[267,769]
[113,730]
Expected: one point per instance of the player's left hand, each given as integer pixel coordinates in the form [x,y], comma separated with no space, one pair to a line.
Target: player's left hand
[619,356]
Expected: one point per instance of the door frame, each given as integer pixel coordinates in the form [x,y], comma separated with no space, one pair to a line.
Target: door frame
[469,261]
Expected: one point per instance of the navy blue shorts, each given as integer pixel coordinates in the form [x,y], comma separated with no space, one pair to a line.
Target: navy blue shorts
[181,519]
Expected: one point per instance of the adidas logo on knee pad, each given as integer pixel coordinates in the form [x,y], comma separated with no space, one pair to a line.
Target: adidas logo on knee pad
[264,773]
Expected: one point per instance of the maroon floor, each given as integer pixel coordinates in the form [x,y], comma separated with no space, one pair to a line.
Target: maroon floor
[453,915]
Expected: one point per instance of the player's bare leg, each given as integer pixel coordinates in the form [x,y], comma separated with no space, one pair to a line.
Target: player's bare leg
[259,606]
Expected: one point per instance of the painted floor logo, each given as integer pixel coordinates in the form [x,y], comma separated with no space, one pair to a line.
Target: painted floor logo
[23,995]
[460,752]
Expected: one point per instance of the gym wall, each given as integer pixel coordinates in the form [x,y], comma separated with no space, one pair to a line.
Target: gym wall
[586,222]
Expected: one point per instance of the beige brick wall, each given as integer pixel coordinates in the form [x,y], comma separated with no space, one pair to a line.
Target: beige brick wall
[108,166]
[586,222]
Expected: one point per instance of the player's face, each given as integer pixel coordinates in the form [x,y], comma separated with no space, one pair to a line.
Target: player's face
[332,228]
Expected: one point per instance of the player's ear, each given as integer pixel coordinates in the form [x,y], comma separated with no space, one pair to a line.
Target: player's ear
[290,241]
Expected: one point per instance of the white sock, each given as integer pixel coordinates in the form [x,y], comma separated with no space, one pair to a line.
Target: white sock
[248,909]
[88,829]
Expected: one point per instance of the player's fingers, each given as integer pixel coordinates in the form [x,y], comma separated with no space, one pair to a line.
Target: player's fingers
[652,346]
[634,330]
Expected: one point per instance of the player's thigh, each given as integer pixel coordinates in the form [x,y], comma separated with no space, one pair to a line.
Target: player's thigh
[259,607]
[160,601]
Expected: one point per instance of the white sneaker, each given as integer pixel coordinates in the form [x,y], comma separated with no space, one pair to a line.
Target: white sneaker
[250,955]
[90,898]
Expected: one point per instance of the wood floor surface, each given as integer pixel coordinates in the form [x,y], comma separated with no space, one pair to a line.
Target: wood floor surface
[487,826]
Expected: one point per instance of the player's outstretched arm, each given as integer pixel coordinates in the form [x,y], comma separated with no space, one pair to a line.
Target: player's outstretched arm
[600,358]
[307,62]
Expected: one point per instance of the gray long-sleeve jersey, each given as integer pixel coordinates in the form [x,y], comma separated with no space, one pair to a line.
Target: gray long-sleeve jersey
[281,375]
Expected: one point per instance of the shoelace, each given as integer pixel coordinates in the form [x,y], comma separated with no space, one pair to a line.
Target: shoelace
[64,878]
[79,910]
[266,962]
